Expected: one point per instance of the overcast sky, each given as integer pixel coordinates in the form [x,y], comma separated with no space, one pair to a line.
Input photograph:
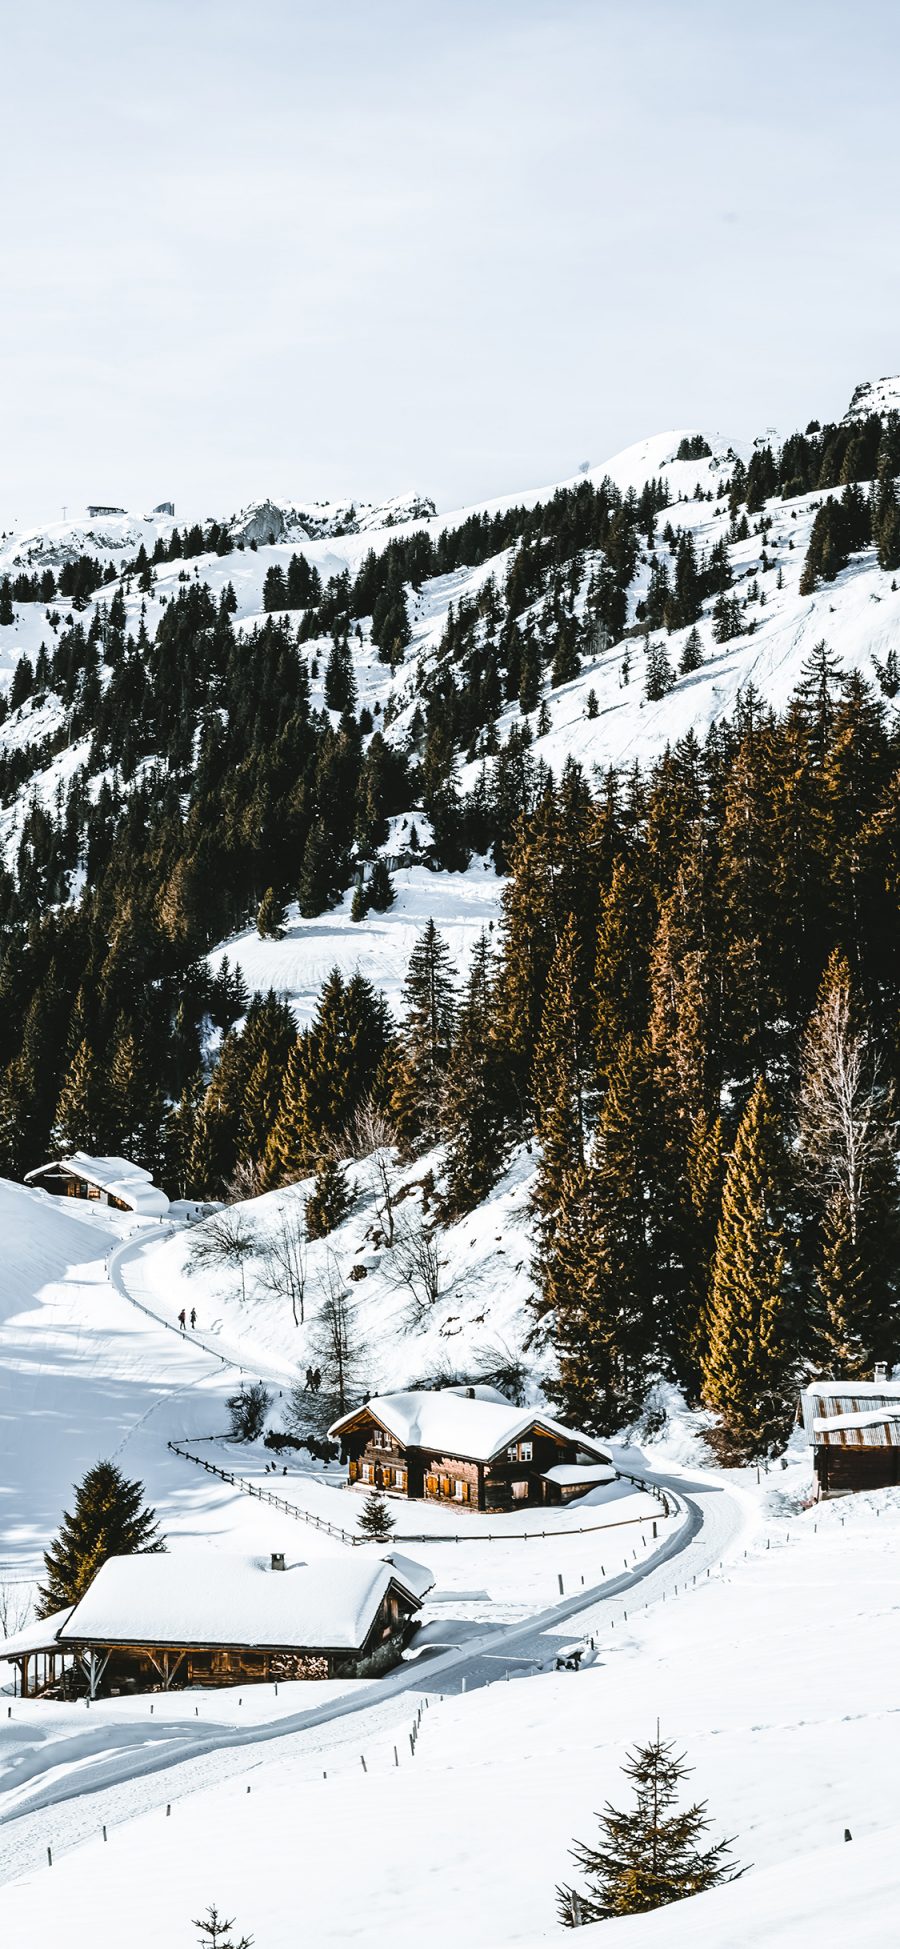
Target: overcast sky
[359,247]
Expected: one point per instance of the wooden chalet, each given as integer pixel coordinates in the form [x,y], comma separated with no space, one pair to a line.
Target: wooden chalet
[470,1447]
[105,1180]
[158,1622]
[853,1428]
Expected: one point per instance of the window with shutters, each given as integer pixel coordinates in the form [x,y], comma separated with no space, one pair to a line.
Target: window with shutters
[431,1485]
[462,1490]
[367,1474]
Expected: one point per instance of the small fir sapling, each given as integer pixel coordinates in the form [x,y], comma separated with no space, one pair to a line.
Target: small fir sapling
[376,1523]
[650,1855]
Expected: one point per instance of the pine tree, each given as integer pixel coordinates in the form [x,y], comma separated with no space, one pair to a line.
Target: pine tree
[683,992]
[109,1519]
[134,1099]
[597,1261]
[259,1108]
[726,619]
[81,1110]
[340,684]
[375,1521]
[559,1077]
[271,916]
[430,1008]
[329,1201]
[575,1283]
[692,655]
[321,873]
[331,1069]
[624,935]
[887,525]
[215,1931]
[529,674]
[659,678]
[472,1112]
[697,1207]
[381,888]
[650,1855]
[748,1368]
[843,1294]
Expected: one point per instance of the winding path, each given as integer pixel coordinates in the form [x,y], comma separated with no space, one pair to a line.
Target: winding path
[130,1254]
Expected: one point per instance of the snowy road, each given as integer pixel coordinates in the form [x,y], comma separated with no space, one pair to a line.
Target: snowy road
[64,1792]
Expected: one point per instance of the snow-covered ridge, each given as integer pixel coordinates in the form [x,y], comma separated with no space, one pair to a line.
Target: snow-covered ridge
[874,396]
[118,535]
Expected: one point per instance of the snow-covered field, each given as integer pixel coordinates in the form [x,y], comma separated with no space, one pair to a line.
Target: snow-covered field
[765,1645]
[773,1674]
[378,947]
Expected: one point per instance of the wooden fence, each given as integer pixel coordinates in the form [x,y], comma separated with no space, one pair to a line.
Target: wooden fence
[353,1538]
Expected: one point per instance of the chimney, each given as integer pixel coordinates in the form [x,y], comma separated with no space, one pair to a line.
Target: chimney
[881,1372]
[277,1559]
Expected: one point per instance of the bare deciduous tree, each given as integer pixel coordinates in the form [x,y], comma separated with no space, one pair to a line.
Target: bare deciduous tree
[226,1240]
[847,1115]
[284,1261]
[15,1607]
[500,1366]
[248,1409]
[372,1135]
[417,1265]
[336,1342]
[245,1181]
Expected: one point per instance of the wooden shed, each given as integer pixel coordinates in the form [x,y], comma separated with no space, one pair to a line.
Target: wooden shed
[155,1621]
[111,1181]
[853,1428]
[468,1446]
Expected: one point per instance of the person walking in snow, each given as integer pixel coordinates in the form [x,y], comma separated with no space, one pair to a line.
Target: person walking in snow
[193,1317]
[182,1320]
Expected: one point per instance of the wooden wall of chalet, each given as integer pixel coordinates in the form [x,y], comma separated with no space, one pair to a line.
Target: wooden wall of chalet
[547,1451]
[440,1475]
[376,1460]
[843,1466]
[143,1668]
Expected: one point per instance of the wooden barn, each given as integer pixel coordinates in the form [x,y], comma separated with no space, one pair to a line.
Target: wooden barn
[470,1447]
[853,1428]
[158,1622]
[105,1180]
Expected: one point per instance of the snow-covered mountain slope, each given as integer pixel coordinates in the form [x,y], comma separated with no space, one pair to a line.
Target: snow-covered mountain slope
[355,526]
[602,717]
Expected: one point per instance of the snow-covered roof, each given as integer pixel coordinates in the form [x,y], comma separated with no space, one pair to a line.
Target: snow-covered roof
[825,1424]
[212,1599]
[828,1406]
[445,1421]
[478,1392]
[40,1635]
[117,1176]
[413,1576]
[572,1475]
